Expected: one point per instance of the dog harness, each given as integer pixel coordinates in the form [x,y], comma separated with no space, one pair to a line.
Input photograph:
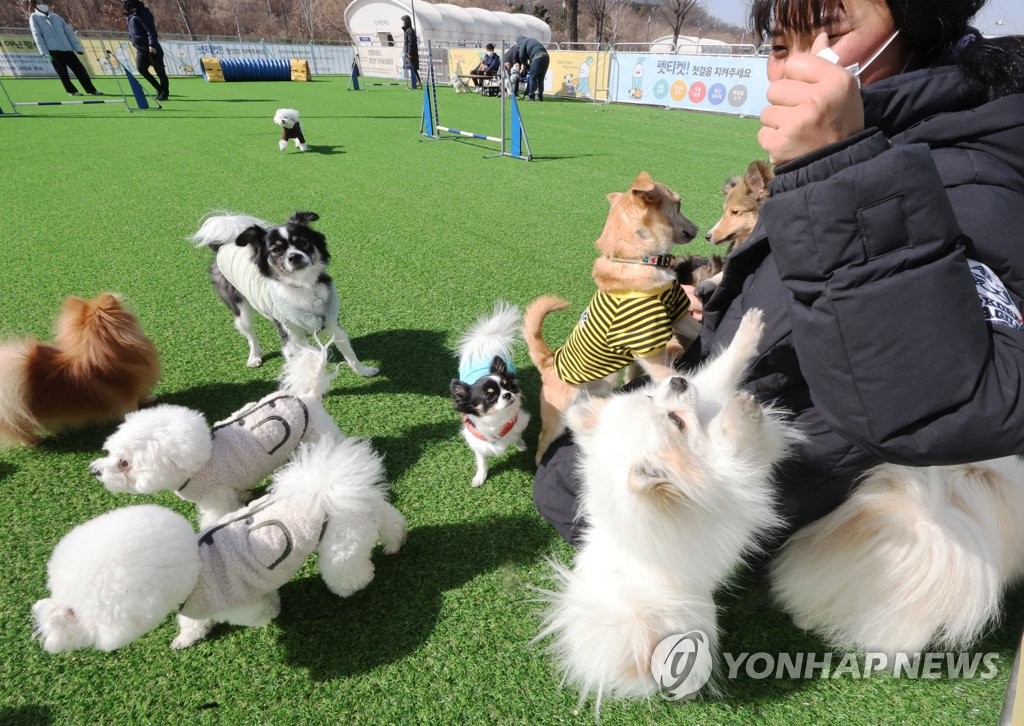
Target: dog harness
[250,445]
[237,265]
[616,328]
[252,552]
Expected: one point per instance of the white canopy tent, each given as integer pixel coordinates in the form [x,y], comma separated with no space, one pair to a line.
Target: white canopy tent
[379,22]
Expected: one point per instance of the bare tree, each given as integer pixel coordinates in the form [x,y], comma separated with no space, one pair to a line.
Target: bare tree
[674,12]
[182,6]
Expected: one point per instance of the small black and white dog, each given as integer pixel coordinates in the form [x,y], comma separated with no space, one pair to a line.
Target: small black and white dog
[486,392]
[280,271]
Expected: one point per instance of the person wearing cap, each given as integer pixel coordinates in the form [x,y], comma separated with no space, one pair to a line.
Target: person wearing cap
[149,56]
[488,66]
[56,39]
[411,51]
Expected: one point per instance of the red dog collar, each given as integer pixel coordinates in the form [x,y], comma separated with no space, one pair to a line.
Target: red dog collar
[472,429]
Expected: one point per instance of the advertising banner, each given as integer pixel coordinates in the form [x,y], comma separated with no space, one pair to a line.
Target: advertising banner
[722,84]
[578,74]
[383,62]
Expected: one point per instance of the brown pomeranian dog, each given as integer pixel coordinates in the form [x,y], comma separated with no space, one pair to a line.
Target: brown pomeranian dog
[99,367]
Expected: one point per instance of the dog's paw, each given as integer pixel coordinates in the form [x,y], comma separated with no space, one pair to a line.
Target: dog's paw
[751,326]
[190,632]
[254,361]
[521,445]
[367,371]
[282,145]
[479,479]
[740,418]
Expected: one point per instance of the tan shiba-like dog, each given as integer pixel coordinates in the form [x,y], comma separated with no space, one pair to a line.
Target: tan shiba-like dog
[632,316]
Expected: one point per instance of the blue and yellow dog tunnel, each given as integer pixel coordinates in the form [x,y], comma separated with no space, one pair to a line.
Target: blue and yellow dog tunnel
[255,69]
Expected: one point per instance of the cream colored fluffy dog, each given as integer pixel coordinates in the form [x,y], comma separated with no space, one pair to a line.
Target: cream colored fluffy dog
[118,576]
[173,447]
[676,489]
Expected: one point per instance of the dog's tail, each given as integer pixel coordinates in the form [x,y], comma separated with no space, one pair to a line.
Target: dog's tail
[533,328]
[305,374]
[492,335]
[17,424]
[333,476]
[221,228]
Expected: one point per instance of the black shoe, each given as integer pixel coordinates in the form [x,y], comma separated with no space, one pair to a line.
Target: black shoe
[161,96]
[74,93]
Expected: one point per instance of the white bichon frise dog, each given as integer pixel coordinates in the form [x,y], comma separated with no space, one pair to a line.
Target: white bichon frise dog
[676,489]
[118,576]
[173,447]
[291,128]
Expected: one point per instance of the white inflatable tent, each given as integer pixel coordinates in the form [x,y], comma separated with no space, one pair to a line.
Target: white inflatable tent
[379,22]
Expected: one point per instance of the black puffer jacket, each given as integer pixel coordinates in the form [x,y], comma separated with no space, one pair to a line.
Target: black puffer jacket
[876,337]
[876,340]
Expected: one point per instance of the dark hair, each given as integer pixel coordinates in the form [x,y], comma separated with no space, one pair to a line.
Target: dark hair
[927,27]
[489,46]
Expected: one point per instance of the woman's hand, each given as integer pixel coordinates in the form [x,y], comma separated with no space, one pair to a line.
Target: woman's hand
[813,104]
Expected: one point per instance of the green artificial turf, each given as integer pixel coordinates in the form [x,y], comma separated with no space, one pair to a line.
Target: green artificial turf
[425,236]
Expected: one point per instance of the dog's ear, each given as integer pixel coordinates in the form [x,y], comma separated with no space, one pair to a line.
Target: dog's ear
[303,218]
[614,197]
[648,480]
[757,176]
[461,393]
[584,415]
[498,366]
[645,190]
[251,236]
[730,184]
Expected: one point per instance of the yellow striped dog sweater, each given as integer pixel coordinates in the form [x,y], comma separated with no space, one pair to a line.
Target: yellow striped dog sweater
[617,328]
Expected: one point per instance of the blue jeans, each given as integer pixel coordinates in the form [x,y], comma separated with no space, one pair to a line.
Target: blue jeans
[535,81]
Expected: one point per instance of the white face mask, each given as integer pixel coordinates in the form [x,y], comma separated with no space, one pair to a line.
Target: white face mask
[43,8]
[856,68]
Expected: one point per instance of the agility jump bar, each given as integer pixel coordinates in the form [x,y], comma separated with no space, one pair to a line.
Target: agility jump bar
[68,103]
[469,134]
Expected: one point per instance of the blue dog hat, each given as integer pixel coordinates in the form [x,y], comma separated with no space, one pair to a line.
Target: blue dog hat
[472,371]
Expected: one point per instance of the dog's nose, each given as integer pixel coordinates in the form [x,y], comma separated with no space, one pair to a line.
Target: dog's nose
[708,236]
[506,396]
[95,471]
[678,384]
[295,258]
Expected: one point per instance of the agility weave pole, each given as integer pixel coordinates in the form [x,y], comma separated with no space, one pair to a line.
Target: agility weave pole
[430,121]
[142,103]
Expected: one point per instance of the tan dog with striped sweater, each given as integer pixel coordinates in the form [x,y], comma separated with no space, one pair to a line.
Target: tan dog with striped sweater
[632,316]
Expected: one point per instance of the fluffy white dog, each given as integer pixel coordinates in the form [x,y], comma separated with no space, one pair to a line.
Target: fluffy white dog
[676,489]
[173,447]
[118,576]
[915,559]
[460,85]
[291,128]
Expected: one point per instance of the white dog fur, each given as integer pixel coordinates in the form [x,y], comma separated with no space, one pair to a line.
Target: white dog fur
[118,576]
[676,489]
[173,447]
[915,559]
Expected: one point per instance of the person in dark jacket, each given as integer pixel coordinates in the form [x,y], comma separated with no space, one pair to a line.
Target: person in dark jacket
[885,259]
[488,66]
[411,51]
[56,39]
[149,56]
[530,51]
